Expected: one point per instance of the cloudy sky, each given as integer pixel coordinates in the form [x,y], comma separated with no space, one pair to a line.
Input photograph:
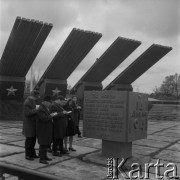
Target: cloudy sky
[149,21]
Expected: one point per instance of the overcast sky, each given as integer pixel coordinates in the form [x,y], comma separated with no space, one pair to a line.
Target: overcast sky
[149,21]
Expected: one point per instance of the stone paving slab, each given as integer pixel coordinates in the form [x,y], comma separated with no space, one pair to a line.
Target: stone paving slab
[6,150]
[89,142]
[152,122]
[78,143]
[3,127]
[22,144]
[151,132]
[151,143]
[169,134]
[10,125]
[19,143]
[175,147]
[19,159]
[167,124]
[162,142]
[11,131]
[143,150]
[163,138]
[81,150]
[10,138]
[176,128]
[157,127]
[168,155]
[97,157]
[176,131]
[76,169]
[76,138]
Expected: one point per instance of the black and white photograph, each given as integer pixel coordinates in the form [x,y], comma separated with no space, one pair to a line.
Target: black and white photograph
[89,89]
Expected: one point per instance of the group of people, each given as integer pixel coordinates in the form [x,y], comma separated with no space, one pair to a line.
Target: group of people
[52,123]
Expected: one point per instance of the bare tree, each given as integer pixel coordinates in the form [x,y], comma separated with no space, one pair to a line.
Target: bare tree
[169,88]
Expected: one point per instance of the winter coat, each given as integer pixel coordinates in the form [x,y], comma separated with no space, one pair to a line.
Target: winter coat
[29,117]
[76,113]
[71,126]
[44,126]
[59,122]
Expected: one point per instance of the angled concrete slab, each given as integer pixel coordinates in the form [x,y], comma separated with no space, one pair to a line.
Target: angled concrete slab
[119,50]
[24,43]
[151,56]
[72,52]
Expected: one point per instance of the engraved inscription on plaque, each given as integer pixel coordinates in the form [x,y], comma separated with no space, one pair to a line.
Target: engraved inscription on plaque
[115,115]
[105,115]
[137,116]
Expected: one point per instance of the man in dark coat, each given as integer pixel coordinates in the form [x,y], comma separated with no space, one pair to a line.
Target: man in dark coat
[44,129]
[29,125]
[59,125]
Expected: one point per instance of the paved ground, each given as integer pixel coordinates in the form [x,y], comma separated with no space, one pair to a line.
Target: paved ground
[163,143]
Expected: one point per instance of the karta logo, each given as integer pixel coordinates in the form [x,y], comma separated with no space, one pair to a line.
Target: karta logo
[116,170]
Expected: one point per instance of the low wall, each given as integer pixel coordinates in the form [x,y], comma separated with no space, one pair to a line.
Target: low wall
[169,112]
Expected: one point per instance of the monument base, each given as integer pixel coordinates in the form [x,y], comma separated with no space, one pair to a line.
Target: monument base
[11,110]
[112,149]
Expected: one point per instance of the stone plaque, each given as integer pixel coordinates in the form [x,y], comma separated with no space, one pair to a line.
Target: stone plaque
[137,116]
[108,115]
[105,115]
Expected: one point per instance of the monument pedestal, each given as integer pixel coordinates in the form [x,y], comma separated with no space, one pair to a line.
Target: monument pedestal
[113,149]
[12,88]
[87,86]
[122,87]
[53,87]
[116,117]
[11,110]
[11,97]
